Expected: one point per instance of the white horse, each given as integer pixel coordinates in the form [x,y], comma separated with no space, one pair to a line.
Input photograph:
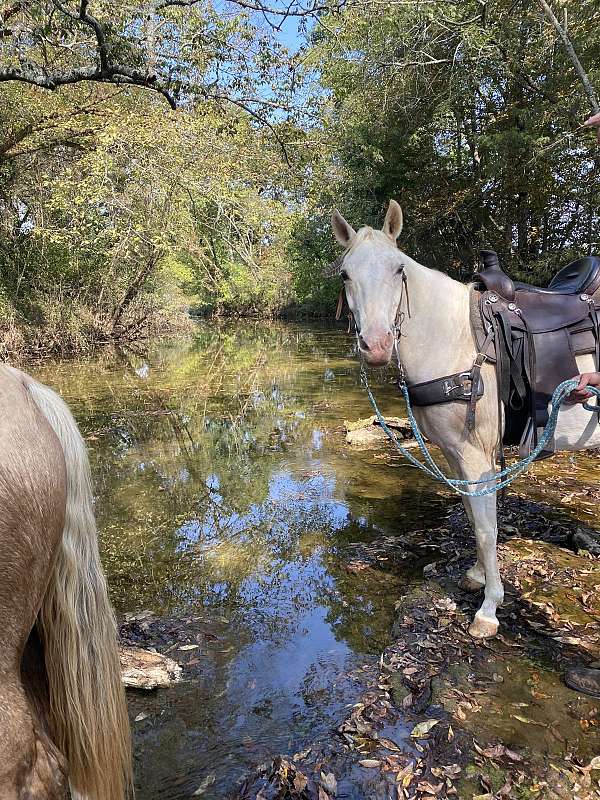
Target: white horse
[437,340]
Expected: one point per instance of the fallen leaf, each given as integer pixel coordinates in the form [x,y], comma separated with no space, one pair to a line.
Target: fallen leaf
[189,647]
[369,763]
[329,782]
[300,781]
[141,716]
[540,695]
[528,721]
[512,755]
[208,781]
[423,728]
[425,786]
[497,751]
[389,745]
[451,770]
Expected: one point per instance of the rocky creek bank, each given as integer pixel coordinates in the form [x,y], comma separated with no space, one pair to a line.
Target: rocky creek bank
[445,716]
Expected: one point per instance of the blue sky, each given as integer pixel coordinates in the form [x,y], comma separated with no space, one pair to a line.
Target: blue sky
[289,34]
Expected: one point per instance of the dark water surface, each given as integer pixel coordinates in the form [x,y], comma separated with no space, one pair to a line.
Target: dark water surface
[225,492]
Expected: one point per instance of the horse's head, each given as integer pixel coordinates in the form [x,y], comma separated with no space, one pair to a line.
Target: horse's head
[372,273]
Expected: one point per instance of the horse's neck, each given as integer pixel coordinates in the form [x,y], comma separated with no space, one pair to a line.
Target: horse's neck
[436,338]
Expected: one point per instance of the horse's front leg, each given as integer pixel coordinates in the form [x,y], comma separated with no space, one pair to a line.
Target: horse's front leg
[474,578]
[474,464]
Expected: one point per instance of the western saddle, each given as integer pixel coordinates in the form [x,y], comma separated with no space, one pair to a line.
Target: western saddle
[533,334]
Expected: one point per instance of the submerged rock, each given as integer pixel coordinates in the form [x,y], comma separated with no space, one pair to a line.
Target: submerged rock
[585,539]
[559,589]
[147,669]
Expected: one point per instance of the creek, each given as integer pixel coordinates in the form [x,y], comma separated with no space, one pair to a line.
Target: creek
[226,494]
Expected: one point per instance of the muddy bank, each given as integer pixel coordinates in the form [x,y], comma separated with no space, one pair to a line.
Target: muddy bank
[443,715]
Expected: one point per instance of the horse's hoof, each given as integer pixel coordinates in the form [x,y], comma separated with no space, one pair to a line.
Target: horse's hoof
[470,584]
[483,628]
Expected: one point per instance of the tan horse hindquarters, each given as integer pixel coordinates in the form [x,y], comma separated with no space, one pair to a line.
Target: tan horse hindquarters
[32,513]
[70,717]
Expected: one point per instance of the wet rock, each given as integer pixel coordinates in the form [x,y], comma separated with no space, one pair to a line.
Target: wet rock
[398,690]
[368,433]
[147,669]
[586,540]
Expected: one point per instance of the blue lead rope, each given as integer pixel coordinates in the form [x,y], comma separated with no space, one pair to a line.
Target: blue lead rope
[501,479]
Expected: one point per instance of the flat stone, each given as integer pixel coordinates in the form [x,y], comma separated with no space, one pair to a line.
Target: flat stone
[147,670]
[369,433]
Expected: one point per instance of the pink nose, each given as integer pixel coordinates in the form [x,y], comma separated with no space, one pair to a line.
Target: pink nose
[376,347]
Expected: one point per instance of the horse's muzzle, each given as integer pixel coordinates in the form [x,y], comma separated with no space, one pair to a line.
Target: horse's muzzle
[376,348]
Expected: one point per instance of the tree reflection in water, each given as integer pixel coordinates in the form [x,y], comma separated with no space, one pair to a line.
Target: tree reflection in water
[224,487]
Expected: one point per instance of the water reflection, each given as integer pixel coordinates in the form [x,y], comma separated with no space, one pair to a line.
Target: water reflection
[224,490]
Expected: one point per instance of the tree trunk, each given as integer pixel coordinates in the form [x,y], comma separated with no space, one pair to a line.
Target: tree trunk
[134,288]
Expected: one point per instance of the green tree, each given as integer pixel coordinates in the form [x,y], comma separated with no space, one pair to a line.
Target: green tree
[469,114]
[116,211]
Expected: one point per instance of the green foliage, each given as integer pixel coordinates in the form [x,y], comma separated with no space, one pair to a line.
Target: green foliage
[117,214]
[138,209]
[470,115]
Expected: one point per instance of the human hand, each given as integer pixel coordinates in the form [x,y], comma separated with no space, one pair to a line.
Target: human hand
[594,122]
[580,394]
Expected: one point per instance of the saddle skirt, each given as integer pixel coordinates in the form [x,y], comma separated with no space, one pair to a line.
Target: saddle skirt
[534,335]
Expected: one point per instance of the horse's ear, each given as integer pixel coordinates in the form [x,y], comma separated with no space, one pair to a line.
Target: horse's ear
[343,231]
[392,225]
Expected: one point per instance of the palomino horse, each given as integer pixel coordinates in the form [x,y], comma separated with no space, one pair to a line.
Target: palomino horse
[63,718]
[437,340]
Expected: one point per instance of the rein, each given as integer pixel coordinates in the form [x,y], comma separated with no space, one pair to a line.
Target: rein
[502,478]
[506,475]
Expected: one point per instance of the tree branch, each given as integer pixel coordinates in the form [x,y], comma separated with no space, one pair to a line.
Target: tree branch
[519,72]
[289,11]
[255,115]
[116,74]
[587,85]
[105,71]
[92,23]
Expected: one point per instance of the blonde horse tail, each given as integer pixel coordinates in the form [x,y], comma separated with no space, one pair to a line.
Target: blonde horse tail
[78,629]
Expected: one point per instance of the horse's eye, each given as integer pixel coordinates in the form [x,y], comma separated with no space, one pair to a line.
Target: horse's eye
[344,275]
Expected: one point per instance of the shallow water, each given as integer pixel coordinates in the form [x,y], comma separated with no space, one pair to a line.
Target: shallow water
[228,499]
[225,492]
